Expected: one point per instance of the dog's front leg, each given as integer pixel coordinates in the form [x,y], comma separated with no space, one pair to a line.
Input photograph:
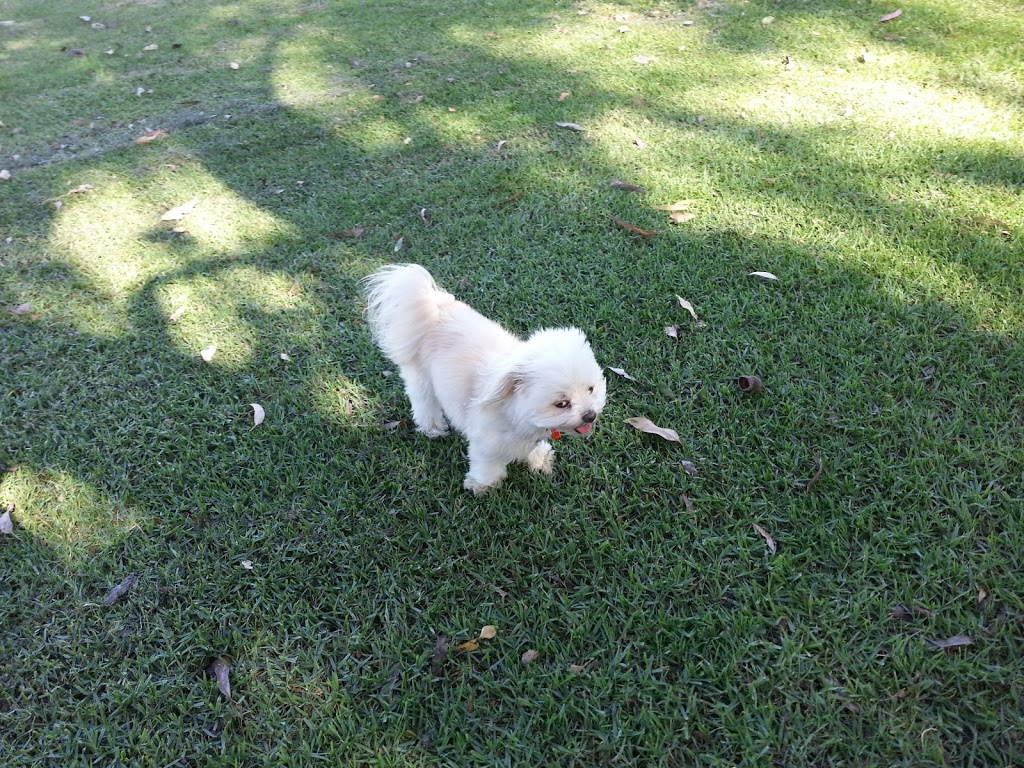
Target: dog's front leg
[485,471]
[542,458]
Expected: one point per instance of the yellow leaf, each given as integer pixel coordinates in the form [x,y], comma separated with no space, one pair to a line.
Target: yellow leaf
[469,645]
[488,632]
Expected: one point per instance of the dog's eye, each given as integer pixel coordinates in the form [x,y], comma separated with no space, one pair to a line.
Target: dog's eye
[590,390]
[562,404]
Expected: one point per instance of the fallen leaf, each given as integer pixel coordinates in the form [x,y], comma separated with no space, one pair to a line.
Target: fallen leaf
[672,331]
[392,425]
[571,126]
[6,524]
[643,424]
[768,540]
[688,503]
[176,314]
[488,632]
[247,564]
[425,215]
[122,589]
[763,275]
[440,656]
[5,175]
[179,213]
[220,671]
[564,95]
[957,641]
[469,645]
[690,468]
[354,232]
[285,356]
[577,668]
[640,143]
[501,592]
[643,59]
[621,373]
[208,353]
[258,414]
[22,309]
[624,187]
[908,613]
[233,65]
[623,29]
[529,657]
[151,47]
[688,307]
[146,138]
[630,228]
[500,144]
[891,15]
[679,205]
[768,20]
[982,594]
[817,475]
[399,243]
[681,218]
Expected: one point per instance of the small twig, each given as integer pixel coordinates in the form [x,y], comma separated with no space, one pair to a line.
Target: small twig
[817,475]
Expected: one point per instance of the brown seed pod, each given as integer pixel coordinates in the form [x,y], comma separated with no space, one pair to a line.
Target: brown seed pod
[749,384]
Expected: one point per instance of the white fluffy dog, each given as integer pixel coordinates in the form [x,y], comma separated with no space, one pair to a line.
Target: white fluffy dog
[506,395]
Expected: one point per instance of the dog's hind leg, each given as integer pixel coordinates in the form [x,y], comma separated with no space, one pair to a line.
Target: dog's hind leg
[485,471]
[426,410]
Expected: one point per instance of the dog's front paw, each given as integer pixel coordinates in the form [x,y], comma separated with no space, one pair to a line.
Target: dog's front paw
[542,458]
[434,430]
[478,488]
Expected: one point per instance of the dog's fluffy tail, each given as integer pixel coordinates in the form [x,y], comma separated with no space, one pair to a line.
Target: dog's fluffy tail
[403,303]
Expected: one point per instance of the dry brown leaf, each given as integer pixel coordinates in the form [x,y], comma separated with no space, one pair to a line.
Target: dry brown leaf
[392,425]
[488,632]
[643,424]
[688,307]
[690,468]
[681,218]
[180,212]
[672,331]
[22,309]
[150,136]
[982,594]
[621,372]
[529,656]
[220,671]
[817,475]
[353,232]
[440,656]
[577,668]
[957,641]
[122,589]
[688,503]
[176,314]
[891,15]
[768,540]
[679,205]
[258,414]
[630,228]
[564,95]
[208,353]
[469,645]
[571,126]
[908,613]
[622,186]
[6,524]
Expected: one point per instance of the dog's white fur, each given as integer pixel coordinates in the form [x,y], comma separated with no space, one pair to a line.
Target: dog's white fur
[504,394]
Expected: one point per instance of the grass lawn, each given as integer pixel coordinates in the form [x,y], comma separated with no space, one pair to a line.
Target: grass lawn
[783,601]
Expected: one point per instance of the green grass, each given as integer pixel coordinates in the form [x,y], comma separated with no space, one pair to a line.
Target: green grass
[876,169]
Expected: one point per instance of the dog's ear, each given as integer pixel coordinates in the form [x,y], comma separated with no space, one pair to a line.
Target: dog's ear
[501,386]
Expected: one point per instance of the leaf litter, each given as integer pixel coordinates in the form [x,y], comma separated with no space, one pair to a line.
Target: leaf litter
[768,540]
[643,424]
[121,591]
[220,670]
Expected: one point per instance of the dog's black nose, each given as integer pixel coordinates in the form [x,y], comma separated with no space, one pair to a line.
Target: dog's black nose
[589,417]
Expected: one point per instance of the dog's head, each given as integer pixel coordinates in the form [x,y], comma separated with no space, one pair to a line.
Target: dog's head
[554,383]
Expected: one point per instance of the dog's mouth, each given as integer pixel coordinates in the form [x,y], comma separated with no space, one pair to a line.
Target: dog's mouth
[584,428]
